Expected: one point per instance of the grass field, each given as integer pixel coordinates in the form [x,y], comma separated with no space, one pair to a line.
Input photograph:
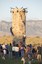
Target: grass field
[10,61]
[29,40]
[34,40]
[6,39]
[14,61]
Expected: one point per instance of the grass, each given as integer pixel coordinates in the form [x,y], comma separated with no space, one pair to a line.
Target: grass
[6,39]
[29,40]
[10,61]
[14,60]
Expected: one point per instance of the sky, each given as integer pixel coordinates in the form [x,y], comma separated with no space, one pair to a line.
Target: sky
[34,8]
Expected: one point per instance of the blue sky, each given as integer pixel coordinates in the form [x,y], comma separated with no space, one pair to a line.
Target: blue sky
[34,8]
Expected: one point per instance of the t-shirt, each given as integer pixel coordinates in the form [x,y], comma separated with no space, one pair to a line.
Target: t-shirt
[16,49]
[3,46]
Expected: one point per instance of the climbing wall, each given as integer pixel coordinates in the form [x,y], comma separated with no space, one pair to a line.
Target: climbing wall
[18,22]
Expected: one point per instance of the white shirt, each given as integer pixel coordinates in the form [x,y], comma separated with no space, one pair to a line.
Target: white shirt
[3,46]
[4,51]
[16,49]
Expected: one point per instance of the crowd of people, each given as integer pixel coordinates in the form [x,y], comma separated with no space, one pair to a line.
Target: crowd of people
[20,50]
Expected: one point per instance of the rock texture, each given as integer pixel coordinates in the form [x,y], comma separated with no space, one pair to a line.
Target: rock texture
[18,22]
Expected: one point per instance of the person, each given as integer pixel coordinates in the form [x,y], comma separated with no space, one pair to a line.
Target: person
[4,51]
[29,53]
[10,50]
[22,51]
[19,44]
[39,53]
[13,48]
[7,48]
[1,50]
[16,51]
[34,53]
[22,54]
